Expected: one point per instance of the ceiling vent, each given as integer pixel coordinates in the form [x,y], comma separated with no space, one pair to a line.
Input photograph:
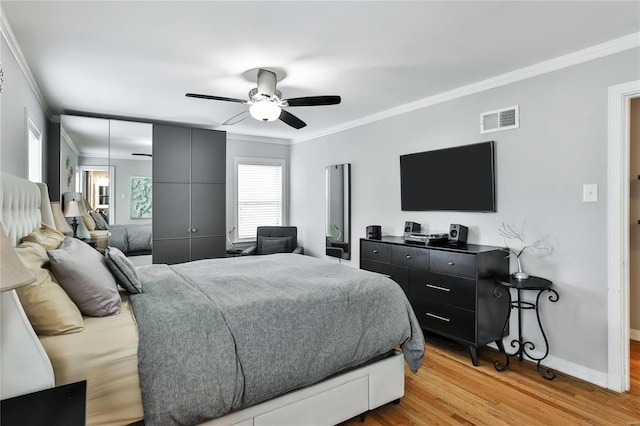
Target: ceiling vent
[500,119]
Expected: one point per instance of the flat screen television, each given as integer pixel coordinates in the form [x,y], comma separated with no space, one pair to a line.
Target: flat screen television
[460,178]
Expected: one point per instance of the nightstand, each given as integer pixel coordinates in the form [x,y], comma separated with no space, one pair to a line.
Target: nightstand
[63,405]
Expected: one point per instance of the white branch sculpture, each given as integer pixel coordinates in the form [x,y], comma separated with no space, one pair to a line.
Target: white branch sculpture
[509,233]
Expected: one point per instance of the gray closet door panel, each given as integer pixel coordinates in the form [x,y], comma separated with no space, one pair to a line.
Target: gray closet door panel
[171,153]
[172,251]
[170,210]
[208,247]
[208,156]
[208,211]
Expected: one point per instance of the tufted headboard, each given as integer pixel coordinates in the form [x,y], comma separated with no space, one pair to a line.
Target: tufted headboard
[24,364]
[25,205]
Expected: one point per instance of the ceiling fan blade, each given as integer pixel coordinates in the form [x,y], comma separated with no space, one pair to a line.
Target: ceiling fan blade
[236,118]
[215,98]
[314,100]
[291,120]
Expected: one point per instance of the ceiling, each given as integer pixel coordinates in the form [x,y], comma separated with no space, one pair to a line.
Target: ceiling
[138,59]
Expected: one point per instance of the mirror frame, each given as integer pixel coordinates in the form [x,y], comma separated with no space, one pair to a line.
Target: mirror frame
[342,245]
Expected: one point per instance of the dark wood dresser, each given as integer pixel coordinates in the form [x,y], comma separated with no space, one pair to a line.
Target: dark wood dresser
[451,288]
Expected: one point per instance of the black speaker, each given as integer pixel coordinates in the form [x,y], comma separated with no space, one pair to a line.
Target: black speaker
[411,227]
[458,233]
[374,232]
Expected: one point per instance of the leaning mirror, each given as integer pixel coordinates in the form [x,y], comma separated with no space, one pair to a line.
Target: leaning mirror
[338,215]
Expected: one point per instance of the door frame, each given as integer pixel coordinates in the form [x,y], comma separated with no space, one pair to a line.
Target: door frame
[618,177]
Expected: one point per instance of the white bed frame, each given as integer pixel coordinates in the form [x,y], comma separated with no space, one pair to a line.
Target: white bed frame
[25,366]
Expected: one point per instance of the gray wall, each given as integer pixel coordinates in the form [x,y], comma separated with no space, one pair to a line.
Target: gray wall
[16,96]
[68,170]
[634,216]
[561,144]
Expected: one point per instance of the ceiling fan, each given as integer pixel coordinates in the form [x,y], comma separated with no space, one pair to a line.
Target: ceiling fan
[266,103]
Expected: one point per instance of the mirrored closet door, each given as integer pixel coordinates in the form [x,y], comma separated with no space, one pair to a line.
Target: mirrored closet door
[106,166]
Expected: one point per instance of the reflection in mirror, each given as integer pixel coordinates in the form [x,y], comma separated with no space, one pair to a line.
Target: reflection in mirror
[338,215]
[84,172]
[112,167]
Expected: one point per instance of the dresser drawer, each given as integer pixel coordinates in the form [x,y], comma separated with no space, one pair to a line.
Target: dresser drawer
[456,291]
[375,251]
[445,319]
[412,257]
[451,263]
[399,274]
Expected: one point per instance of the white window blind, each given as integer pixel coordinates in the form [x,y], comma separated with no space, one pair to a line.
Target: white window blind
[34,160]
[260,201]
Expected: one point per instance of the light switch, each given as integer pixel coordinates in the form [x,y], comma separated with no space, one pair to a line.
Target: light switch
[122,196]
[590,192]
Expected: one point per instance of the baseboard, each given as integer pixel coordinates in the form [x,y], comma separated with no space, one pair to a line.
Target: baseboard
[560,365]
[634,335]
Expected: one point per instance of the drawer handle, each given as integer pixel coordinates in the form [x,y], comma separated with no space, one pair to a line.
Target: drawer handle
[375,251]
[408,256]
[438,287]
[451,263]
[429,314]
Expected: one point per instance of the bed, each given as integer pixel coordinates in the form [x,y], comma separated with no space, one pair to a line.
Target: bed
[132,240]
[307,380]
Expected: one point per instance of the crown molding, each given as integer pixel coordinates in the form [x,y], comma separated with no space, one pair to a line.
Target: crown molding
[10,38]
[601,50]
[260,139]
[67,139]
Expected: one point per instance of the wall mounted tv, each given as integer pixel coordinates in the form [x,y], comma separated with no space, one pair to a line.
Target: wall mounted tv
[460,178]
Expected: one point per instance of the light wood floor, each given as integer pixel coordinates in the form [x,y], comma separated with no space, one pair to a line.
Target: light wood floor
[448,390]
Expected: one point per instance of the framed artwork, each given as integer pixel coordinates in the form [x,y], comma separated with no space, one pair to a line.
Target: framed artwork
[141,197]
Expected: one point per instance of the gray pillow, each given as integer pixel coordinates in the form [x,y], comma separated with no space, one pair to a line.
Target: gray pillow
[82,272]
[124,271]
[101,224]
[271,245]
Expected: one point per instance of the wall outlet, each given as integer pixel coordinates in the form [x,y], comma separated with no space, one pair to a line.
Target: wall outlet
[590,192]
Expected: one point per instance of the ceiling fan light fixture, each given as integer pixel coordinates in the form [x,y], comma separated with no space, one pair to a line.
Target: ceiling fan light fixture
[265,110]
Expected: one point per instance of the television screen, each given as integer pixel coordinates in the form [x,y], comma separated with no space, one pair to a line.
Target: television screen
[461,178]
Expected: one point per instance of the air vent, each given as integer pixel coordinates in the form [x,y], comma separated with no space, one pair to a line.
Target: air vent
[500,119]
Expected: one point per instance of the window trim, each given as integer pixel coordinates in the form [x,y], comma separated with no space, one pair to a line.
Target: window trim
[31,128]
[259,161]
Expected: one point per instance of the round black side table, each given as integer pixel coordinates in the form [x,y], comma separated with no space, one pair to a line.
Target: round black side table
[524,346]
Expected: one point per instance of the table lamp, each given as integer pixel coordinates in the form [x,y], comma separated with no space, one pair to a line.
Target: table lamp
[58,218]
[23,361]
[72,209]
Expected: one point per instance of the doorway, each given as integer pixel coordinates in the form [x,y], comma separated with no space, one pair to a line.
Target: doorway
[96,186]
[618,234]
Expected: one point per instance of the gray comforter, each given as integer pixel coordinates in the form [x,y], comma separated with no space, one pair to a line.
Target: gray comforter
[223,334]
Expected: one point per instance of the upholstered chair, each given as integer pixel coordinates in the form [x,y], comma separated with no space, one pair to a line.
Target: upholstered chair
[275,239]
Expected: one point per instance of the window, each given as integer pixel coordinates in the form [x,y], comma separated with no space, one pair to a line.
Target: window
[34,152]
[260,195]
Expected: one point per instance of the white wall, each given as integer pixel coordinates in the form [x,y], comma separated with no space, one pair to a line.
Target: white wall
[561,144]
[634,216]
[16,96]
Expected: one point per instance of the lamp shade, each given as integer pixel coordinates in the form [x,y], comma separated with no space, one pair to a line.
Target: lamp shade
[13,273]
[72,209]
[58,218]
